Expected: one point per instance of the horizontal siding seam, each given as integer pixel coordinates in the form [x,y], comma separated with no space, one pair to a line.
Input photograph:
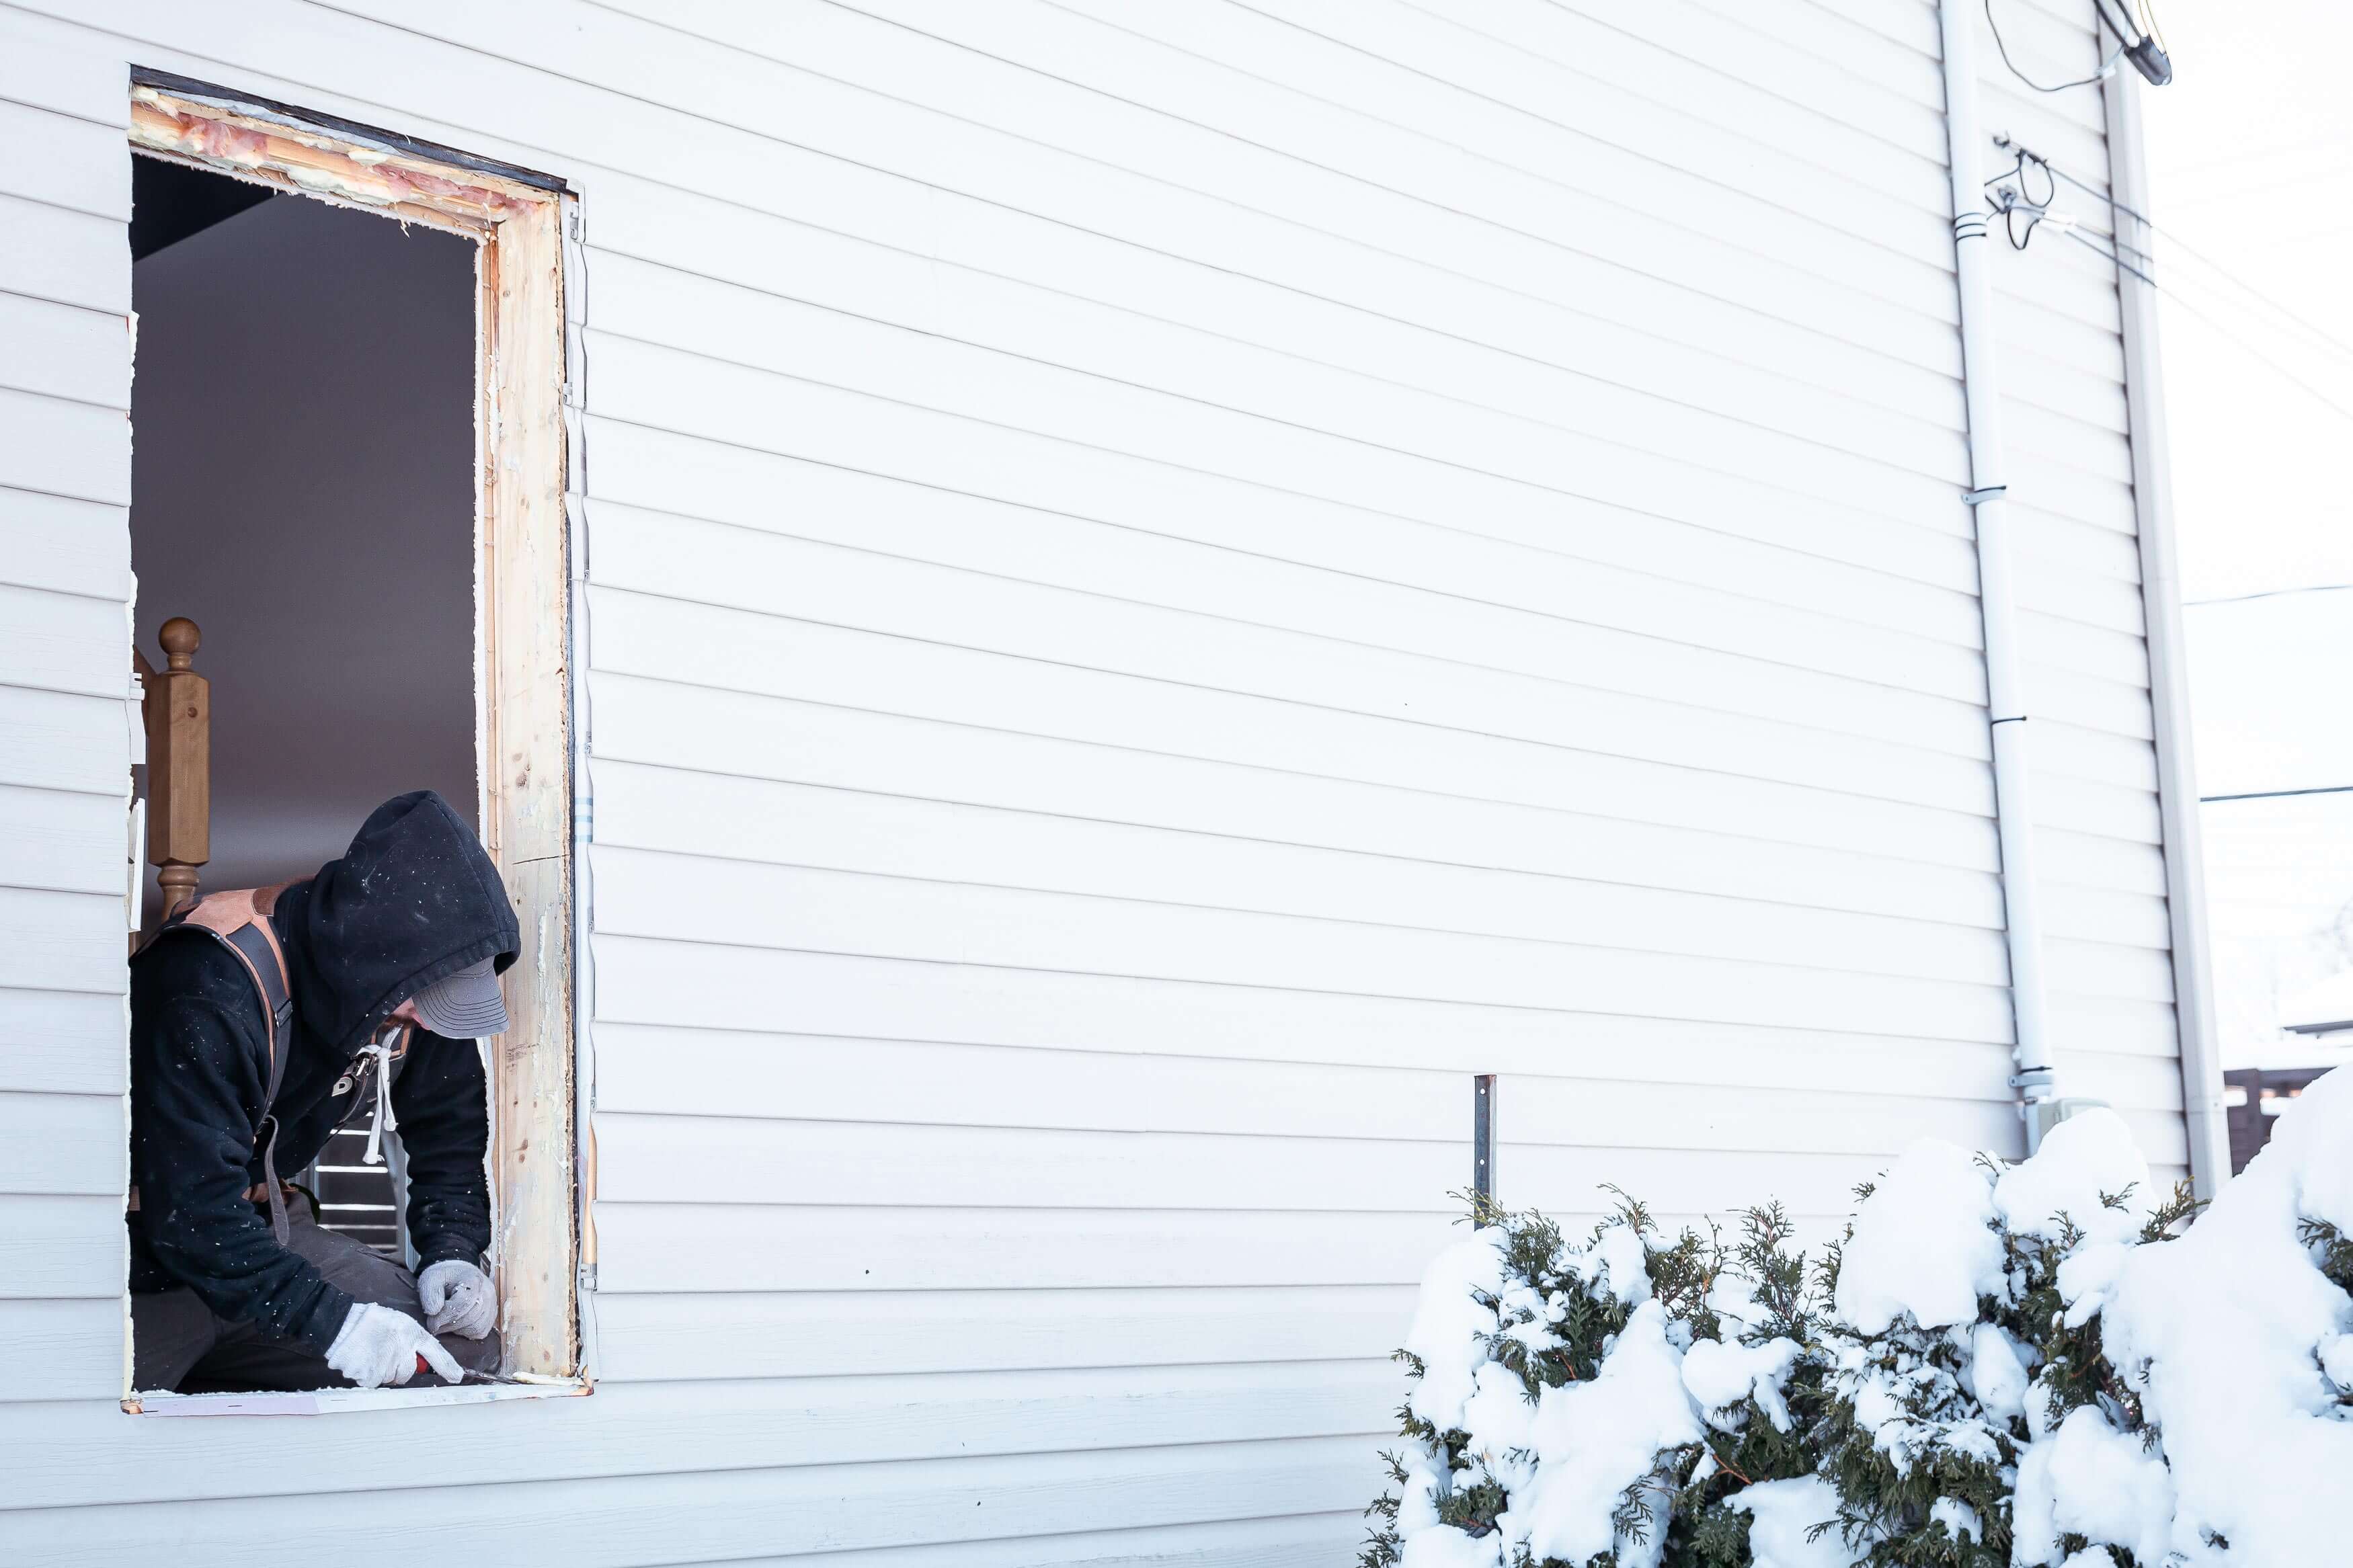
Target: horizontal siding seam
[1481,1003]
[1497,540]
[359,1482]
[1860,454]
[1943,701]
[1961,761]
[1632,153]
[1310,1062]
[1338,849]
[1991,1094]
[1766,488]
[1139,901]
[10,382]
[114,502]
[33,984]
[95,217]
[703,117]
[64,305]
[1943,319]
[1448,595]
[1919,922]
[1405,519]
[119,127]
[11,580]
[123,795]
[1223,762]
[1761,86]
[96,693]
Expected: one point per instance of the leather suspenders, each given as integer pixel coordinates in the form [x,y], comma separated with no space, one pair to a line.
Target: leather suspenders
[239,920]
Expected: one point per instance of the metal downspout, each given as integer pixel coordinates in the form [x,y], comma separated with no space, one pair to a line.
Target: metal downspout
[2169,682]
[2005,699]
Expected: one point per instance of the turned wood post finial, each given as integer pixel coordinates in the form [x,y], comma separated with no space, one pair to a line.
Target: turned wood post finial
[180,640]
[179,764]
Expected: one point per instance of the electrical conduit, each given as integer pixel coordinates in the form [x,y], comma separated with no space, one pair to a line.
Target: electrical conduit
[2005,699]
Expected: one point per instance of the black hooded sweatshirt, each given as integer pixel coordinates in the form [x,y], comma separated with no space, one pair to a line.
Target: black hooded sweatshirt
[413,899]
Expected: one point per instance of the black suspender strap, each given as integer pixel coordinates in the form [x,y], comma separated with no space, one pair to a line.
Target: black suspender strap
[257,946]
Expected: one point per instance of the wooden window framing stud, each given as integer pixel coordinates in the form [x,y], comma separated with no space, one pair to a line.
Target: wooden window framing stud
[523,630]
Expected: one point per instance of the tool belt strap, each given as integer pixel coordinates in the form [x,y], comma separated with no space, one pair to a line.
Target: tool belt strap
[257,1192]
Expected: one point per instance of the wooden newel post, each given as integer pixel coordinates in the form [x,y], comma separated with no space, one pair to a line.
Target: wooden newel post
[179,711]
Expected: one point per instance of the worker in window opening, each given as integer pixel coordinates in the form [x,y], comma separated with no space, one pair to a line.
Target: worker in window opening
[392,955]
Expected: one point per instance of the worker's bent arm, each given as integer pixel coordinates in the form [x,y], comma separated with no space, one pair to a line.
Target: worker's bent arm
[443,1102]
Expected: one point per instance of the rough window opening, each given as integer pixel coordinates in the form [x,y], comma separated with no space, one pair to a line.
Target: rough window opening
[349,530]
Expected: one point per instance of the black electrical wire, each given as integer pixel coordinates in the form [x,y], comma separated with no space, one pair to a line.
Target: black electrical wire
[2101,75]
[2021,203]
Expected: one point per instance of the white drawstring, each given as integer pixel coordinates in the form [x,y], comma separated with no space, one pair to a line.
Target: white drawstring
[384,1121]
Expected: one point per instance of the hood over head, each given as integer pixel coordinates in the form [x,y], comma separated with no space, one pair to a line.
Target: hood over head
[413,899]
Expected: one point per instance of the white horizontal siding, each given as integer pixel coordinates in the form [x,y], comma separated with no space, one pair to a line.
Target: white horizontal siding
[65,545]
[753,989]
[1166,583]
[716,818]
[63,1042]
[65,725]
[740,1515]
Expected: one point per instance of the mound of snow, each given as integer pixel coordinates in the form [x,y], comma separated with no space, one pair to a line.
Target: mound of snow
[1722,1373]
[1566,1457]
[2083,1160]
[1782,1516]
[1923,1242]
[1594,1439]
[2225,1332]
[2090,1480]
[1450,1326]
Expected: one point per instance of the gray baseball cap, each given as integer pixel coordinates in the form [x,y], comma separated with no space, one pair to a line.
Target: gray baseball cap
[466,1005]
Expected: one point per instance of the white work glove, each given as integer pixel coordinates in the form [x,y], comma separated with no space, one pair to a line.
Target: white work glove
[457,1299]
[377,1345]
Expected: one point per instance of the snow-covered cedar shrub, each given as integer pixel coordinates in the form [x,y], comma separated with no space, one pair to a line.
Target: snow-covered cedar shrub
[1995,1365]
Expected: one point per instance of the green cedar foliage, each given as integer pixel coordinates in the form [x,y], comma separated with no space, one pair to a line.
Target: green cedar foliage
[1758,1287]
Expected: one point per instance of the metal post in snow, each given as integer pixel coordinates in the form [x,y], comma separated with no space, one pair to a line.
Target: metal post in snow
[1483,1138]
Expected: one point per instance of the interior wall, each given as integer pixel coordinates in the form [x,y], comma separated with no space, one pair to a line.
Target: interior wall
[302,424]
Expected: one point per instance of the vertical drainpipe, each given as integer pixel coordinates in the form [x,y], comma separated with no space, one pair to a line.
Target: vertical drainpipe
[2005,699]
[2169,684]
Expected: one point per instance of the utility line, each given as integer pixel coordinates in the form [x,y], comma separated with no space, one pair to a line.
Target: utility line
[2318,395]
[2178,244]
[2277,793]
[2269,594]
[2288,318]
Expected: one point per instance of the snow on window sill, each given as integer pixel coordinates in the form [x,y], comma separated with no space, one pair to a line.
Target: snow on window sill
[334,1401]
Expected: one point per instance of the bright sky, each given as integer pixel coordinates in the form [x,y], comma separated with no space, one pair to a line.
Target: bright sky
[2252,166]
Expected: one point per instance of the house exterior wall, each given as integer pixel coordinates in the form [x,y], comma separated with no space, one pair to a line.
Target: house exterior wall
[1166,583]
